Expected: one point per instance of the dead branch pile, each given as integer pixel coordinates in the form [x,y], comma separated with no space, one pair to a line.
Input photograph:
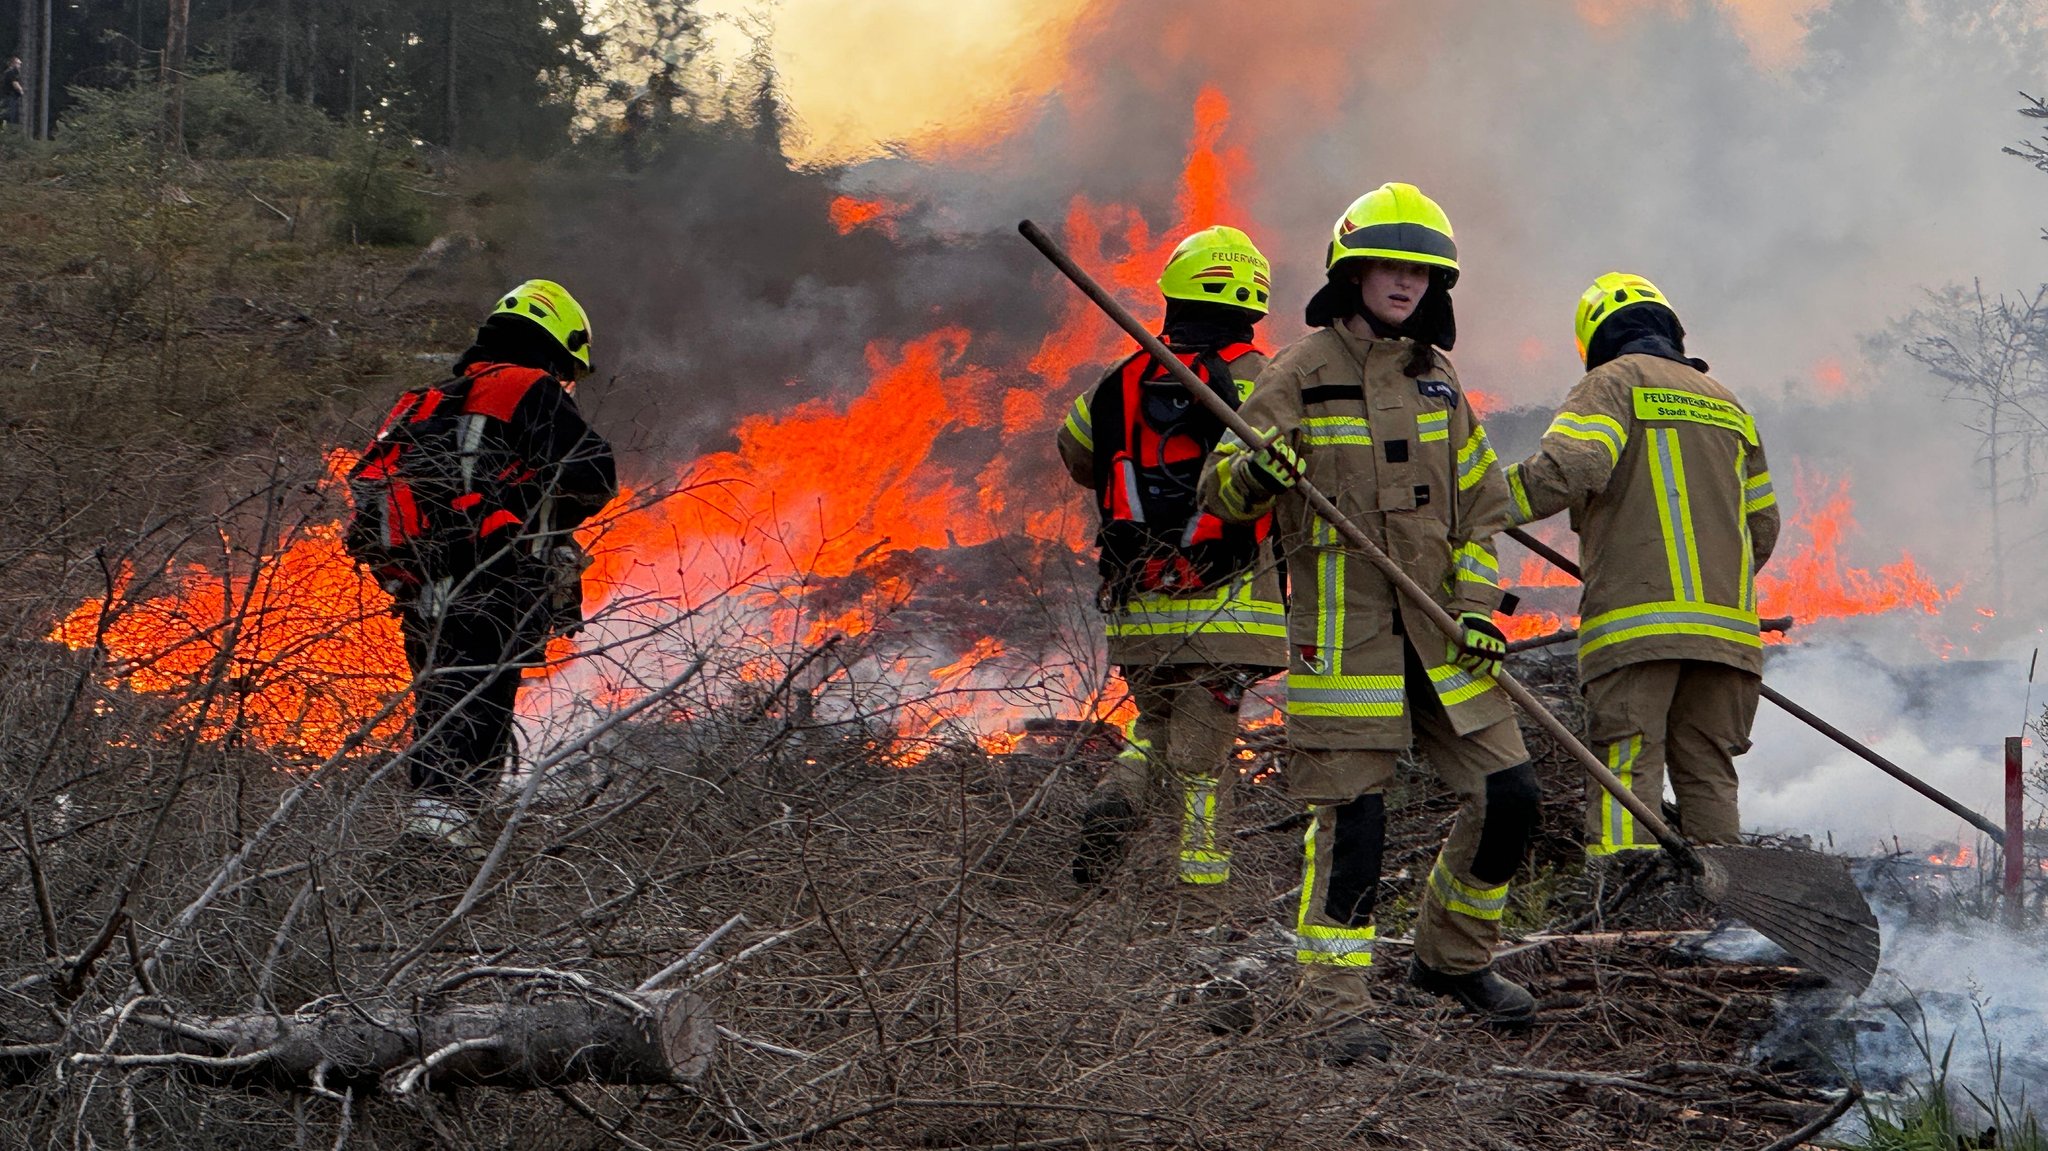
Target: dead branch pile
[220,946]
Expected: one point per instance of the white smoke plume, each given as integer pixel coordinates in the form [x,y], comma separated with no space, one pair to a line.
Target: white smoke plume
[1943,721]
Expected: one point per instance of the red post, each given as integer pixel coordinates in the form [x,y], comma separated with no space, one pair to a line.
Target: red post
[2015,823]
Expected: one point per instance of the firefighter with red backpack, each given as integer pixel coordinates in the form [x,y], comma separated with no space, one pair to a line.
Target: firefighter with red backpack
[464,508]
[1193,604]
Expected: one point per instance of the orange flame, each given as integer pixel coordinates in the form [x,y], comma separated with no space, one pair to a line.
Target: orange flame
[1529,625]
[1085,337]
[1962,857]
[848,213]
[1538,572]
[1813,584]
[311,651]
[1830,378]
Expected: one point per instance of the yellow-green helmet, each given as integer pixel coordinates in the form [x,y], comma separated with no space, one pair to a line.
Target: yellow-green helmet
[1396,222]
[550,305]
[1609,294]
[1218,265]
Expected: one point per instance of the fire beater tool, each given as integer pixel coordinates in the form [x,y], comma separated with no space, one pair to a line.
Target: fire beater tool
[1803,901]
[1997,833]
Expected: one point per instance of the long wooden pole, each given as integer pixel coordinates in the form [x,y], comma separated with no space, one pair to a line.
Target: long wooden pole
[1357,538]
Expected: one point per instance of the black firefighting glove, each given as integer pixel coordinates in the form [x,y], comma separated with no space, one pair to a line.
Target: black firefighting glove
[1275,467]
[1480,647]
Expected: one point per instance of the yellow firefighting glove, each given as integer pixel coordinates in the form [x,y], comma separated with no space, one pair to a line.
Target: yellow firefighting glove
[1274,467]
[1480,647]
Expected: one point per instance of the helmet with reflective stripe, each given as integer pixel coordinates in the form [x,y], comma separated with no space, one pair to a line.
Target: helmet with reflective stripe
[1610,294]
[1218,265]
[1396,222]
[550,305]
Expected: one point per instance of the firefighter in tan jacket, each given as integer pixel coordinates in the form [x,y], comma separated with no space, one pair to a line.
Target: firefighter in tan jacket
[1664,476]
[1193,605]
[1372,414]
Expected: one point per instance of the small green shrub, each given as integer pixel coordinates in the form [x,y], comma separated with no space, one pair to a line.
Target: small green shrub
[226,117]
[373,202]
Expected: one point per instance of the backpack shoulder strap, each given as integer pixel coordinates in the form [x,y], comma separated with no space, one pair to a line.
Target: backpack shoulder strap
[496,390]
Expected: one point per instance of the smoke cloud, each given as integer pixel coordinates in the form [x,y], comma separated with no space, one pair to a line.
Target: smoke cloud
[1794,174]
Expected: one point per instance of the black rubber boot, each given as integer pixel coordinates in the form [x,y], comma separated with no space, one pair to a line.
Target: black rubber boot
[1351,1041]
[1104,827]
[1485,993]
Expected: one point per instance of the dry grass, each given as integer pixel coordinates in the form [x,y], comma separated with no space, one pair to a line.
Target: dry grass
[930,978]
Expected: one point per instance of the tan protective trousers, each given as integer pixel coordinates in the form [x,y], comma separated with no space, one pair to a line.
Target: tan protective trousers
[1684,718]
[1182,743]
[1459,922]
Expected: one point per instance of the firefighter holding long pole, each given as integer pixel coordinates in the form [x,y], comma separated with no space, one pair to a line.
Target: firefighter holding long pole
[1369,409]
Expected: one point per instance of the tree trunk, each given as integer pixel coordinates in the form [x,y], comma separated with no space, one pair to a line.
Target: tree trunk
[173,74]
[284,49]
[514,1046]
[454,98]
[43,77]
[1995,446]
[355,45]
[312,62]
[28,42]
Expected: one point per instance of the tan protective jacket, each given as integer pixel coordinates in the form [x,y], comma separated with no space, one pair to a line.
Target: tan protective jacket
[1241,623]
[1665,479]
[1406,460]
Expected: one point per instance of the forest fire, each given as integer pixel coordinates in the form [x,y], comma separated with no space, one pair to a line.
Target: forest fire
[936,457]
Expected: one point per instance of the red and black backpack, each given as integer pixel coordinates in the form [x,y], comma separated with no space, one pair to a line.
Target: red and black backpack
[441,489]
[1151,439]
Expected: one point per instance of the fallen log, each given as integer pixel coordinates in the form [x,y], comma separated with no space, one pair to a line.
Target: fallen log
[639,1038]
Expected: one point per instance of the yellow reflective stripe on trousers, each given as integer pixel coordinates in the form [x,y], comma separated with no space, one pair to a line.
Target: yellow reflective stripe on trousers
[1200,859]
[1229,610]
[1334,946]
[1474,459]
[1523,512]
[1135,750]
[1432,427]
[1674,513]
[1454,685]
[1323,431]
[1603,430]
[1318,943]
[1617,826]
[1757,493]
[1080,424]
[1670,617]
[1371,696]
[1463,899]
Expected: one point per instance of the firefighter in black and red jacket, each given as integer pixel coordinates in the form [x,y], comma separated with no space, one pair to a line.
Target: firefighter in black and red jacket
[1192,605]
[535,471]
